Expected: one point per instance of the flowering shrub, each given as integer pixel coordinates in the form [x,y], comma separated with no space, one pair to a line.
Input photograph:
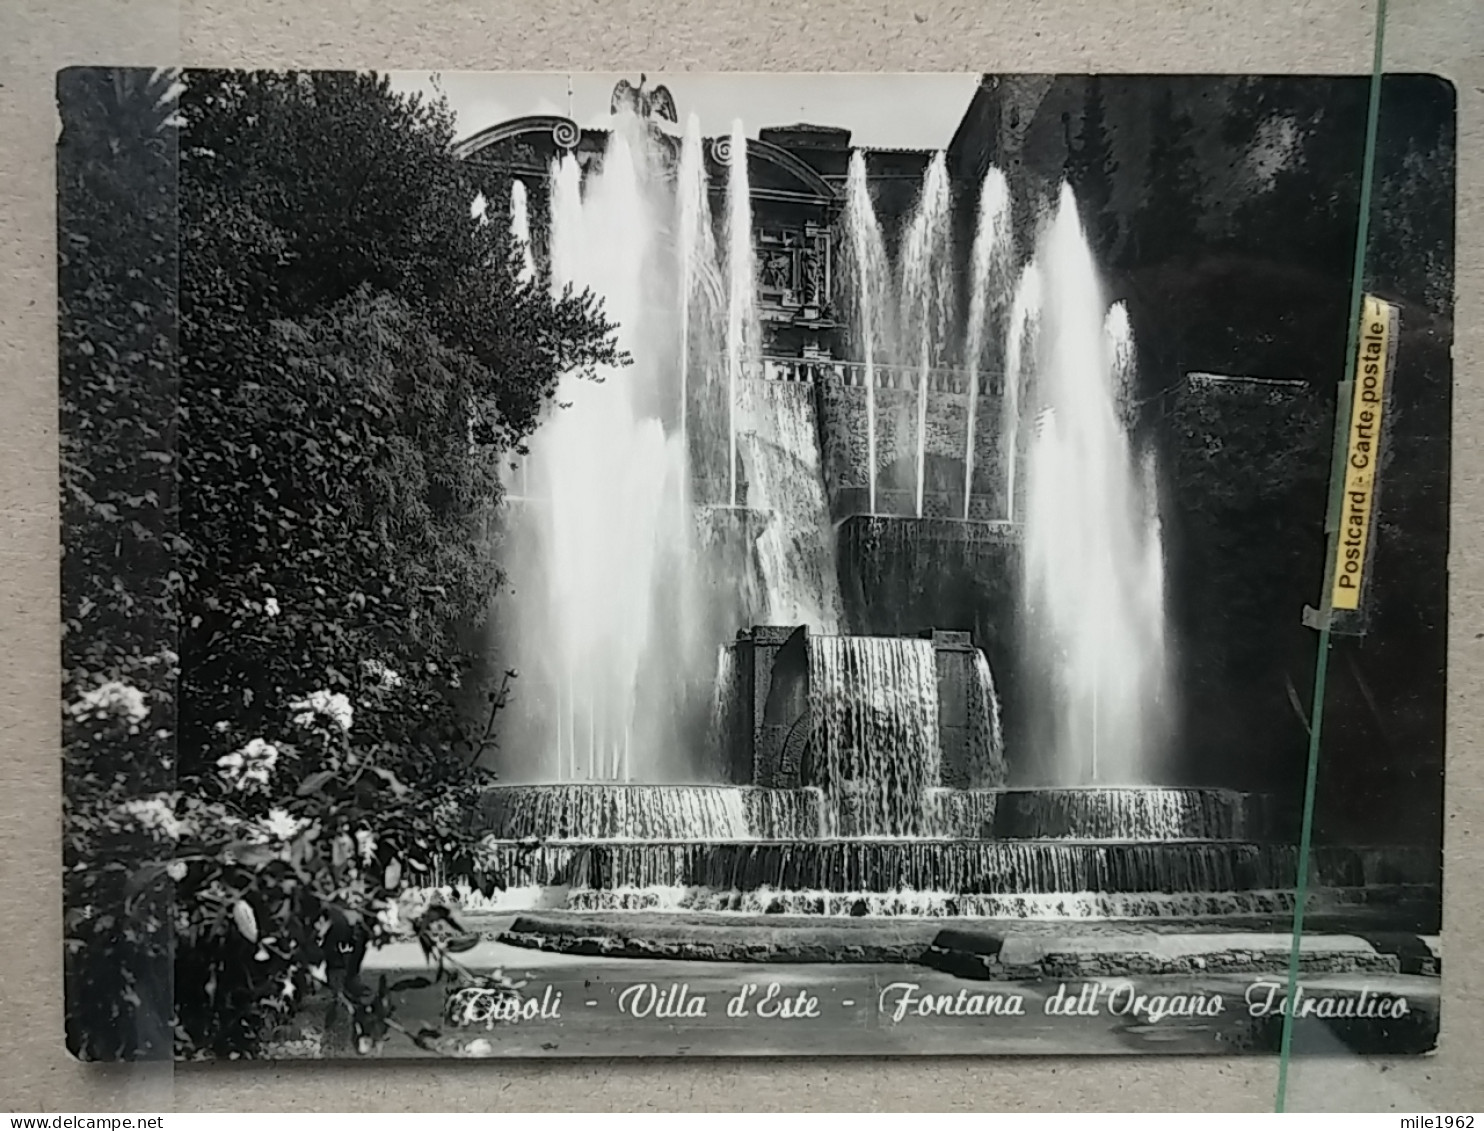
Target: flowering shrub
[321,706]
[251,767]
[112,699]
[274,542]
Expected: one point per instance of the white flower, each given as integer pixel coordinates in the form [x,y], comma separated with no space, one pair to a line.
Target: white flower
[366,846]
[377,670]
[281,826]
[249,767]
[112,698]
[154,814]
[270,606]
[246,920]
[331,705]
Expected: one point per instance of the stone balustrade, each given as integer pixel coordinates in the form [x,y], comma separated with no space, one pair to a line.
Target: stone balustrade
[853,374]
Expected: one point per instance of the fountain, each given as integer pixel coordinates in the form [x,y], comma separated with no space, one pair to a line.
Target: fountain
[742,327]
[520,230]
[927,298]
[1094,585]
[603,618]
[1025,318]
[871,283]
[695,249]
[990,277]
[707,720]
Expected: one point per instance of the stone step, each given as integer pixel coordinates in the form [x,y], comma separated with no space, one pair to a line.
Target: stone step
[962,869]
[596,811]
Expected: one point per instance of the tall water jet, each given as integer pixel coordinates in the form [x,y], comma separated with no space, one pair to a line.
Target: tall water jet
[1020,339]
[1094,576]
[520,230]
[520,236]
[927,295]
[566,223]
[1118,340]
[875,745]
[694,247]
[742,332]
[870,280]
[992,257]
[601,568]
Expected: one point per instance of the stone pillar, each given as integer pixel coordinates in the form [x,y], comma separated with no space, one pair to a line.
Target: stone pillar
[767,712]
[954,656]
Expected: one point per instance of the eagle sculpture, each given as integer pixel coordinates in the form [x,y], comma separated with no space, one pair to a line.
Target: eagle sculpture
[655,103]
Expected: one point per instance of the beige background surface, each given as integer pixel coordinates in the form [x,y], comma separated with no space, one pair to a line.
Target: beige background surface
[39,36]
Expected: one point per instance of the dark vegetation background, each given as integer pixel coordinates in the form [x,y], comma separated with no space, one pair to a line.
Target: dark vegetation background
[1225,209]
[290,363]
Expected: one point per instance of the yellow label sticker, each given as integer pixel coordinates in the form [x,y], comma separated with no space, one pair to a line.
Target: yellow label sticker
[1367,407]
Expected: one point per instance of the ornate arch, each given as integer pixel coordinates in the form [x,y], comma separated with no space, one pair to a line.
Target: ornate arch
[777,155]
[721,153]
[563,131]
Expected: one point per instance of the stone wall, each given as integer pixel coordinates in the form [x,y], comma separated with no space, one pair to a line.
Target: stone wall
[844,427]
[902,576]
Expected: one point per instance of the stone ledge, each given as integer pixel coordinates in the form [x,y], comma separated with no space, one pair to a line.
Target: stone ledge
[692,938]
[988,952]
[993,957]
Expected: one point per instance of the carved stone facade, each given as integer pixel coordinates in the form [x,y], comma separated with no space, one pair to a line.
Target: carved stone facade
[797,176]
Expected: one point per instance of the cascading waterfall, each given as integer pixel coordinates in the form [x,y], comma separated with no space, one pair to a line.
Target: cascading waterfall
[1149,814]
[1210,869]
[629,812]
[987,734]
[875,742]
[796,547]
[1094,580]
[990,280]
[774,439]
[870,280]
[945,903]
[927,297]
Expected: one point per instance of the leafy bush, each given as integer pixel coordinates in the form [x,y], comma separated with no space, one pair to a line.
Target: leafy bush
[291,362]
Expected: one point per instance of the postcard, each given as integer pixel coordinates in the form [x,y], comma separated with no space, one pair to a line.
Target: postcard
[681,564]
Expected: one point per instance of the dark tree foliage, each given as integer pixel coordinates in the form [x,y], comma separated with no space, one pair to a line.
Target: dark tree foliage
[1168,224]
[117,315]
[346,330]
[356,354]
[1303,156]
[1091,167]
[1239,203]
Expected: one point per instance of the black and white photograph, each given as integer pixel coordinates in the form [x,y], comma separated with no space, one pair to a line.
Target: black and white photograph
[693,564]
